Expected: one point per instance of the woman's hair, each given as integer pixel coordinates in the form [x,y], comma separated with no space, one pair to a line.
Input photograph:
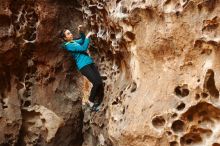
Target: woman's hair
[62,33]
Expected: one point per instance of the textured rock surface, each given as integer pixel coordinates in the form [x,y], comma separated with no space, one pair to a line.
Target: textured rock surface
[40,104]
[159,61]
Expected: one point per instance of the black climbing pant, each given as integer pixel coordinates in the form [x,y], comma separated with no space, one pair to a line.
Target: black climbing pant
[92,74]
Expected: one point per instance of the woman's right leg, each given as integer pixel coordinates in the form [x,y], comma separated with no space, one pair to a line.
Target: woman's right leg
[95,79]
[100,91]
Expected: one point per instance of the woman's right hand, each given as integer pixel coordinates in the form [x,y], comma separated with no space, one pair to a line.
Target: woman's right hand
[81,28]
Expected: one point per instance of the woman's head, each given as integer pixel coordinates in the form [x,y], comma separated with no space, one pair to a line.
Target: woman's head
[66,35]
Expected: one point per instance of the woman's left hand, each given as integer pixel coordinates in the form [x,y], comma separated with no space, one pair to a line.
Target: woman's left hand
[89,34]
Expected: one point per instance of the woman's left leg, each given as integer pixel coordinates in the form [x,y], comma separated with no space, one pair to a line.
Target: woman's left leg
[92,74]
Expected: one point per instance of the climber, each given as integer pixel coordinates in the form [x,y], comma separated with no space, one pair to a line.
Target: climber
[85,64]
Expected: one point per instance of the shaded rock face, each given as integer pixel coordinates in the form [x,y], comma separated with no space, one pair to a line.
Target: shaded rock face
[40,102]
[159,61]
[160,64]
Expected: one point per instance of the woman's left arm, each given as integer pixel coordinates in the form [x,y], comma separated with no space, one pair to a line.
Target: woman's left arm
[75,47]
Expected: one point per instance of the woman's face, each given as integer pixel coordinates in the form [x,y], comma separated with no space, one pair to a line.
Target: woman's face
[68,35]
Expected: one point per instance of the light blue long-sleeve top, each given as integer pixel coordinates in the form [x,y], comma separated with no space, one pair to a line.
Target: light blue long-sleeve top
[78,50]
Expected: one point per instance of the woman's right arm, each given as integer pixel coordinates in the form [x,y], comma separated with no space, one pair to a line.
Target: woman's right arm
[81,40]
[81,30]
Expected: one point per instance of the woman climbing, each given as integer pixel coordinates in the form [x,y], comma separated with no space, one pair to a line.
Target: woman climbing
[85,64]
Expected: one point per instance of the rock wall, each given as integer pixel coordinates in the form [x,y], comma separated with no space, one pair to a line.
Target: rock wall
[158,60]
[39,94]
[162,81]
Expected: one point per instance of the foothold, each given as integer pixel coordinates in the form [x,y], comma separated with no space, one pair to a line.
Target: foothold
[203,113]
[43,120]
[26,93]
[210,24]
[181,91]
[204,95]
[121,92]
[206,51]
[197,97]
[190,118]
[133,87]
[22,101]
[158,121]
[169,132]
[102,58]
[174,115]
[118,1]
[129,36]
[173,143]
[112,36]
[191,138]
[28,84]
[124,10]
[123,112]
[27,103]
[4,106]
[178,126]
[189,141]
[9,138]
[19,86]
[209,84]
[115,102]
[104,77]
[209,5]
[181,106]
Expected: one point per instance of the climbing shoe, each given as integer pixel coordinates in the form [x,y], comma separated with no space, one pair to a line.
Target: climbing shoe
[90,103]
[95,107]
